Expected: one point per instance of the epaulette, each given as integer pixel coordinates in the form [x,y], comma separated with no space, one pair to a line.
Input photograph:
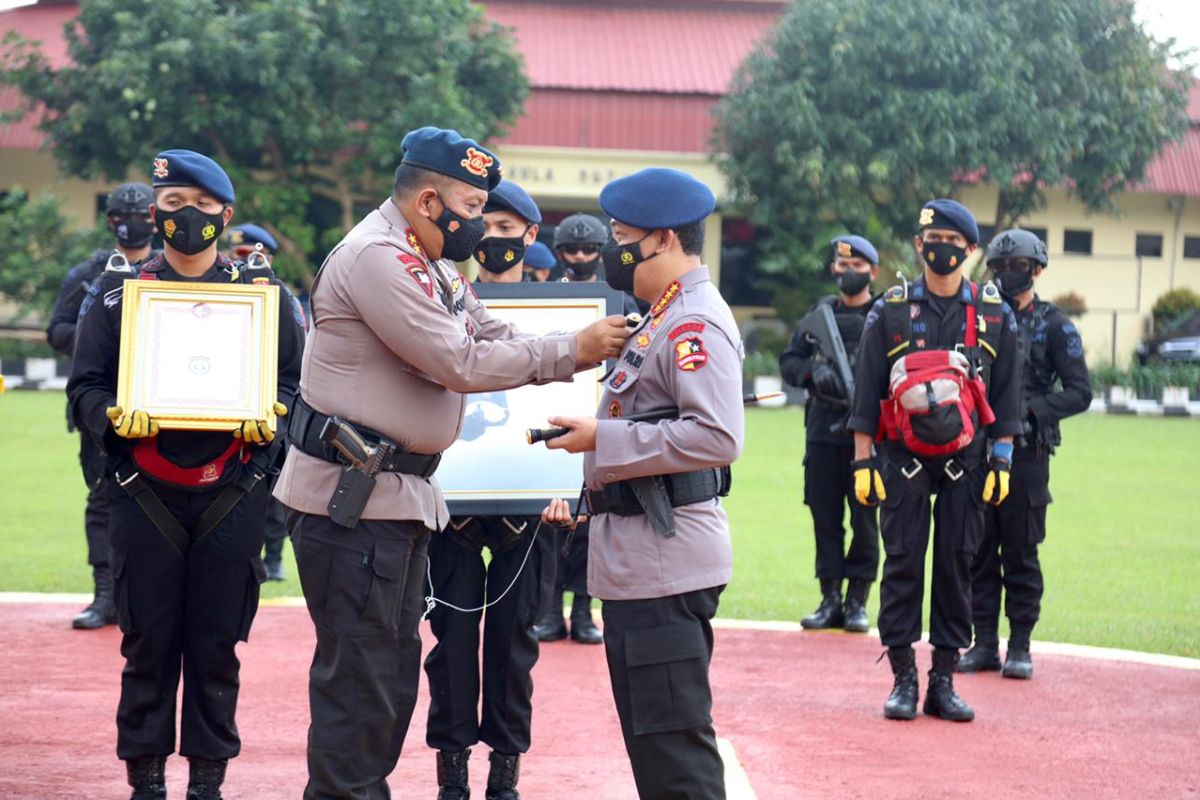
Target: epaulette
[990,294]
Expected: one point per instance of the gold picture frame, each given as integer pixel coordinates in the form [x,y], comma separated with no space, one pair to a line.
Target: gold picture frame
[199,356]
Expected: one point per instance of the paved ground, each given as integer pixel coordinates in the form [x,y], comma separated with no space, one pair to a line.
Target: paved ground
[799,712]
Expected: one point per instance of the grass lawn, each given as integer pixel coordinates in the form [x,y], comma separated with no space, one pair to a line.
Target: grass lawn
[1122,556]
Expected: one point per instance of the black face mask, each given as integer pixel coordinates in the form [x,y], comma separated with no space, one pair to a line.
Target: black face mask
[851,282]
[189,230]
[133,232]
[584,271]
[500,253]
[943,257]
[1013,280]
[459,234]
[620,260]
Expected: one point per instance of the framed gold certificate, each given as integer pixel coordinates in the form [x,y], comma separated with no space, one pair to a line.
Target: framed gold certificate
[199,356]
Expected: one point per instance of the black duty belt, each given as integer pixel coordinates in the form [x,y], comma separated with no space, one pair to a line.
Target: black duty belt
[304,432]
[636,496]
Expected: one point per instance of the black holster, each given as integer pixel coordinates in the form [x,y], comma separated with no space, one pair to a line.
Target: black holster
[657,495]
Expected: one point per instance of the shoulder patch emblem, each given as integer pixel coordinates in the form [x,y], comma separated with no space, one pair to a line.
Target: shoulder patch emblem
[690,354]
[618,380]
[687,327]
[422,278]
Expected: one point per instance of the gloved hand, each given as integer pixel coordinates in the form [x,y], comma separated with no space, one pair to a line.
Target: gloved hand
[255,431]
[995,486]
[827,384]
[868,483]
[134,425]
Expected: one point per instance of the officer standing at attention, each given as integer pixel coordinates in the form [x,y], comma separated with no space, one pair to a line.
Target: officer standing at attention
[397,340]
[511,580]
[660,550]
[577,242]
[829,447]
[128,217]
[239,242]
[187,507]
[942,319]
[539,261]
[1008,558]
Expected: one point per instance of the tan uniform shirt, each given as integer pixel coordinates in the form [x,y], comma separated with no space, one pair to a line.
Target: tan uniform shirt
[397,342]
[686,355]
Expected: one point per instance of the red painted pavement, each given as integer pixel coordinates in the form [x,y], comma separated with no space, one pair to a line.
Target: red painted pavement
[802,711]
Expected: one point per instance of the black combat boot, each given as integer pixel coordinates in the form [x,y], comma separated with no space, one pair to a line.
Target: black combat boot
[984,656]
[829,613]
[273,559]
[854,612]
[502,777]
[205,778]
[902,702]
[940,698]
[102,611]
[551,627]
[583,629]
[148,777]
[1017,663]
[452,775]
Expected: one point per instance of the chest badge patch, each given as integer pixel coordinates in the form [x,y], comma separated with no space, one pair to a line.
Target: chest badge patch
[618,380]
[690,354]
[614,409]
[643,340]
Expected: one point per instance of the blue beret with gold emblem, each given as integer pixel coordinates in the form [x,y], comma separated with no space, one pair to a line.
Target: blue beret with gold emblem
[950,215]
[508,196]
[250,234]
[657,198]
[189,168]
[451,154]
[851,246]
[538,256]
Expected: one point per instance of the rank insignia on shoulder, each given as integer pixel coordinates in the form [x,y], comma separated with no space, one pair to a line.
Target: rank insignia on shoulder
[690,354]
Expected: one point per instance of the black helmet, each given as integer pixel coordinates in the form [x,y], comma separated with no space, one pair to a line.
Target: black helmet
[1017,243]
[129,198]
[580,229]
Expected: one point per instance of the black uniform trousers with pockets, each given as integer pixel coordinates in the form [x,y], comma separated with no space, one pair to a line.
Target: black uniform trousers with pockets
[95,515]
[364,588]
[510,648]
[658,652]
[1008,557]
[828,489]
[957,531]
[183,609]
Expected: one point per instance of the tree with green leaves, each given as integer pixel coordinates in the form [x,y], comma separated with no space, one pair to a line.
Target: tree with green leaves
[853,113]
[39,248]
[304,102]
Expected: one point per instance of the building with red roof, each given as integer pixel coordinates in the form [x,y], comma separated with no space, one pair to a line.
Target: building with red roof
[619,85]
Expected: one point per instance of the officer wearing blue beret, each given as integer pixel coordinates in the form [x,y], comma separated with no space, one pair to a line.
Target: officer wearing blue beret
[510,580]
[539,260]
[660,552]
[938,376]
[397,341]
[810,362]
[188,507]
[239,241]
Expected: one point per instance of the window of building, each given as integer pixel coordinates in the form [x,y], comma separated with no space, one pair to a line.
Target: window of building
[1041,233]
[1149,245]
[102,204]
[1191,247]
[1077,242]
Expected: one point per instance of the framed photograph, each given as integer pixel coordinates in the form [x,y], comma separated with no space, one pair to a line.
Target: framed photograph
[491,469]
[199,356]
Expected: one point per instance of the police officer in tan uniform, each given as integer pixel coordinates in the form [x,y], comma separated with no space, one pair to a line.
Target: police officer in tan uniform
[397,340]
[660,550]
